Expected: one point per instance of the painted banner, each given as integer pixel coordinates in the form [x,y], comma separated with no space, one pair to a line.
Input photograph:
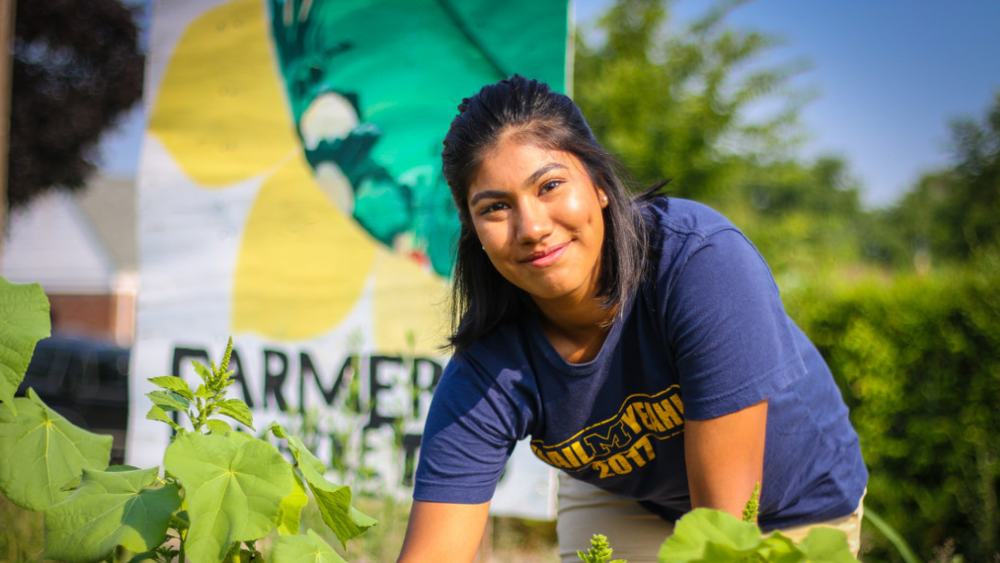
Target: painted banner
[290,196]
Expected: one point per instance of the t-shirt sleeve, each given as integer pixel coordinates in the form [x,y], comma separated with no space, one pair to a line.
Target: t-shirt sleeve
[731,337]
[471,429]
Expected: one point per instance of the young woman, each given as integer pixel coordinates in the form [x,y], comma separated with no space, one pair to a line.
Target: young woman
[638,342]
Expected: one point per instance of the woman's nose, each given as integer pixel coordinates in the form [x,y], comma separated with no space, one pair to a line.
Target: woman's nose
[533,222]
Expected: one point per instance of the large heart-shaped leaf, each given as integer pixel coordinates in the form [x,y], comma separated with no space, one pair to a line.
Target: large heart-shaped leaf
[710,535]
[304,549]
[291,509]
[41,451]
[24,320]
[109,509]
[234,489]
[827,545]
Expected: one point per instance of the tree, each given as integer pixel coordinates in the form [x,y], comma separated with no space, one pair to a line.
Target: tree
[674,105]
[951,214]
[77,69]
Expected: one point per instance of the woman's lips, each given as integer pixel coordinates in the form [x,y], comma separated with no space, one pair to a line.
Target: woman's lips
[545,257]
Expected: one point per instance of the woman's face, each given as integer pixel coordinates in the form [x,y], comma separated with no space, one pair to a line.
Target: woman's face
[539,219]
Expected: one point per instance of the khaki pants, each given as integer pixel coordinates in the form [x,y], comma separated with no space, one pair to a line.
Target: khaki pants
[634,533]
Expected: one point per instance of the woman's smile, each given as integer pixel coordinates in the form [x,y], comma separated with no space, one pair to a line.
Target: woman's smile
[546,257]
[540,220]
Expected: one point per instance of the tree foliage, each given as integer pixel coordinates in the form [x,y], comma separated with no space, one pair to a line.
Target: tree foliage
[673,103]
[77,68]
[918,361]
[951,214]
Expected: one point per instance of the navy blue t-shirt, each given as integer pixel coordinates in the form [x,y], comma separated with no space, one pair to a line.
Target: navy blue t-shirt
[705,336]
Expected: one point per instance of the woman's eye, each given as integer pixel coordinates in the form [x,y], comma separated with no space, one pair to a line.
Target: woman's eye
[497,206]
[550,185]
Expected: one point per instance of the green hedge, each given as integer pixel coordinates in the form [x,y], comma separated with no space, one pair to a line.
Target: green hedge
[918,361]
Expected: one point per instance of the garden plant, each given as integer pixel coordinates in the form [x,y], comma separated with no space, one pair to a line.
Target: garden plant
[714,536]
[221,489]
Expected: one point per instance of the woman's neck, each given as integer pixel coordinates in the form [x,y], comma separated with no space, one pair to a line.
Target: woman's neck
[576,330]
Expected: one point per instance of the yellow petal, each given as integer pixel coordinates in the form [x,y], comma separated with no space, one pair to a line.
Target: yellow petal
[221,111]
[409,300]
[302,265]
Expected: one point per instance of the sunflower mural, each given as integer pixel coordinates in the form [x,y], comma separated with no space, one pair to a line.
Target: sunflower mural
[341,106]
[290,195]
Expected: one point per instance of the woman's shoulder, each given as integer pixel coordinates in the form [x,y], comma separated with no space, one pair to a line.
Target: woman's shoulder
[684,217]
[502,348]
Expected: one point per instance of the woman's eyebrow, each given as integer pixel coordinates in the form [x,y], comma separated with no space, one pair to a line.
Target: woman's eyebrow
[497,194]
[542,171]
[487,194]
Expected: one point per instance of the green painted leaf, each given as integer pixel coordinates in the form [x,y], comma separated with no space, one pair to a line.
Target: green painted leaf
[175,384]
[24,320]
[704,532]
[169,401]
[238,411]
[304,549]
[234,489]
[109,509]
[827,545]
[291,509]
[220,427]
[50,452]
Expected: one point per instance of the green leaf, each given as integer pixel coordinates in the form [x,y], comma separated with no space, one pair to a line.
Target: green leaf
[704,532]
[109,509]
[291,509]
[904,549]
[238,411]
[220,427]
[335,507]
[156,413]
[827,545]
[49,450]
[234,488]
[175,384]
[169,401]
[203,392]
[334,500]
[777,548]
[24,320]
[202,370]
[304,549]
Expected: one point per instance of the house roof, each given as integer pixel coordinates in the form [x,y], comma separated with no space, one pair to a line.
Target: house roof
[109,205]
[74,243]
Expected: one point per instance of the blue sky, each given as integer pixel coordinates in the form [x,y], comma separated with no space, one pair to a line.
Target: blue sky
[891,75]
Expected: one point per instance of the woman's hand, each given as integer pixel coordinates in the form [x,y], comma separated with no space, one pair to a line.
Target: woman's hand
[443,532]
[725,458]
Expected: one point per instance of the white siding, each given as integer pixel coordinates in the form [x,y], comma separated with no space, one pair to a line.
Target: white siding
[52,243]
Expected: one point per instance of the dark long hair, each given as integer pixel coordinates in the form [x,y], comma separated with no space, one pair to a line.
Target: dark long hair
[528,111]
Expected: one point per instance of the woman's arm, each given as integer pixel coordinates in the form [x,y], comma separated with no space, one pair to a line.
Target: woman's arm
[725,458]
[443,532]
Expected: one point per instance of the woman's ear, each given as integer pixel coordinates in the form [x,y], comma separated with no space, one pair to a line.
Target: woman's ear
[603,198]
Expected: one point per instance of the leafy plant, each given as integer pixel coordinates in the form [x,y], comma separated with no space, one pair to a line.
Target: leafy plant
[705,535]
[221,491]
[599,552]
[753,506]
[715,536]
